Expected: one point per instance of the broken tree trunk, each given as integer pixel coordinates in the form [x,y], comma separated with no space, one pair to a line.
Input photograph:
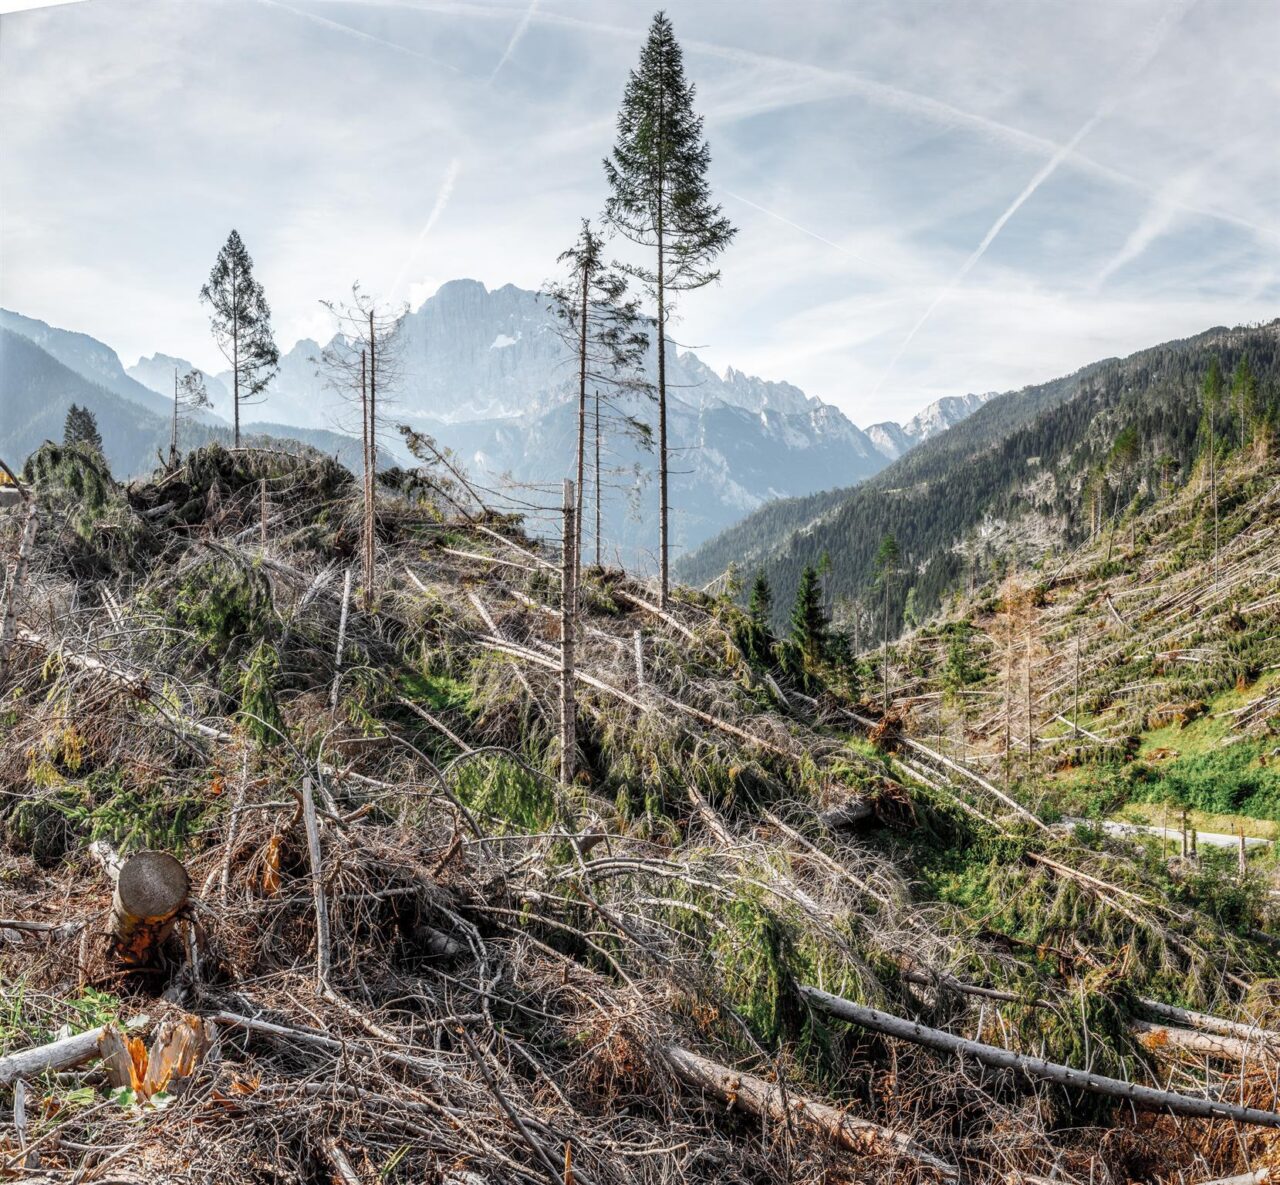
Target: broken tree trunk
[342,641]
[1033,1067]
[1158,1038]
[768,1100]
[568,621]
[1257,1177]
[1246,1045]
[151,889]
[17,586]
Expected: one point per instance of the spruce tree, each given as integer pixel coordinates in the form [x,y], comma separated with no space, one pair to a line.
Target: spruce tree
[81,427]
[888,557]
[241,323]
[760,602]
[1212,398]
[759,616]
[809,618]
[189,394]
[605,330]
[1244,391]
[660,199]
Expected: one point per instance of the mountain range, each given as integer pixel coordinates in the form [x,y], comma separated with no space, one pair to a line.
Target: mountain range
[484,372]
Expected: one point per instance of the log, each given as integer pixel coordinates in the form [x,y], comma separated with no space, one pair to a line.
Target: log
[1257,1177]
[318,900]
[847,815]
[767,1100]
[151,888]
[64,1054]
[1210,1024]
[1158,1038]
[1034,1067]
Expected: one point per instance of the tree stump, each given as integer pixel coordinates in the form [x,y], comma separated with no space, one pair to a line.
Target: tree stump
[150,891]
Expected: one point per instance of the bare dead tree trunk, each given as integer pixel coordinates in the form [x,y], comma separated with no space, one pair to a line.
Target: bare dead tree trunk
[596,486]
[582,421]
[1008,693]
[173,437]
[320,904]
[664,572]
[64,1054]
[262,513]
[1031,727]
[568,615]
[1075,711]
[768,1100]
[17,586]
[366,517]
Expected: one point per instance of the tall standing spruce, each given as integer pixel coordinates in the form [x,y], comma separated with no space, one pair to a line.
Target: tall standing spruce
[605,330]
[241,322]
[660,199]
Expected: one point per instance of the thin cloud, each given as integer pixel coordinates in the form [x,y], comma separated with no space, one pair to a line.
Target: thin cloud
[884,95]
[1170,20]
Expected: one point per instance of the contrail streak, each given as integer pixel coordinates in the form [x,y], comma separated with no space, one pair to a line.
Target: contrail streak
[358,34]
[882,94]
[737,197]
[1171,18]
[516,38]
[442,200]
[1046,170]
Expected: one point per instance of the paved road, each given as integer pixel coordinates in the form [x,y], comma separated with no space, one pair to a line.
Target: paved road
[1214,839]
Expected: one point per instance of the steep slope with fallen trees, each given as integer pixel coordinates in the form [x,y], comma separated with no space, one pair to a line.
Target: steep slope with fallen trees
[296,887]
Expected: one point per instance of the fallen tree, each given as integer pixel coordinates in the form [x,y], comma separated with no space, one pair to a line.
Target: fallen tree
[1033,1067]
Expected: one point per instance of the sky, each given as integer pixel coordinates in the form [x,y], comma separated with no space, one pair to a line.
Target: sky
[932,196]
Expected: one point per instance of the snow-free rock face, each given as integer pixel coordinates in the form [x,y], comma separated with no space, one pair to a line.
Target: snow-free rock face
[895,439]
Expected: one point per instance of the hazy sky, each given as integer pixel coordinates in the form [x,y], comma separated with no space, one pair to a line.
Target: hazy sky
[933,196]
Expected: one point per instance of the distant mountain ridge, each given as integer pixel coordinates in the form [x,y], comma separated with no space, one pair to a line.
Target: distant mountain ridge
[895,439]
[485,373]
[85,356]
[38,389]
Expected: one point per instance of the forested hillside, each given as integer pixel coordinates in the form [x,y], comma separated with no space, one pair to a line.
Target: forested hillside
[1027,474]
